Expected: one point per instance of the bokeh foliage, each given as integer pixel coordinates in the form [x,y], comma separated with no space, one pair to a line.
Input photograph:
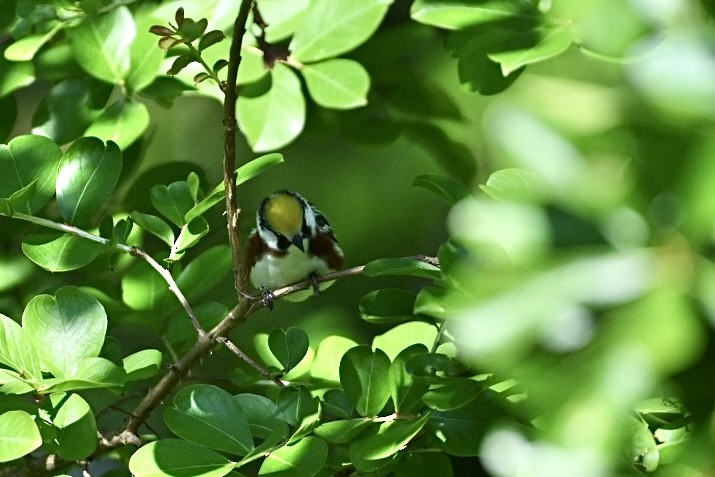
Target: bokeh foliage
[556,156]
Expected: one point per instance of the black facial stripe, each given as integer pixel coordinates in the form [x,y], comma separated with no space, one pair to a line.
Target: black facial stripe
[283,242]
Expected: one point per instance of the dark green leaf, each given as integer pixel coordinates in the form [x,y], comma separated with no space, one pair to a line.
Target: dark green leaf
[303,459]
[86,177]
[363,375]
[201,77]
[60,252]
[453,156]
[210,416]
[219,65]
[78,429]
[102,44]
[288,346]
[22,198]
[65,328]
[181,62]
[155,226]
[19,435]
[191,29]
[423,464]
[178,458]
[445,187]
[402,266]
[164,90]
[460,431]
[390,438]
[28,159]
[452,393]
[211,38]
[387,306]
[337,403]
[405,390]
[344,431]
[295,403]
[262,414]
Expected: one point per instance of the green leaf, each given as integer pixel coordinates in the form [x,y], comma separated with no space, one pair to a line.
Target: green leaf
[143,288]
[262,414]
[19,435]
[554,41]
[303,459]
[189,236]
[192,29]
[405,390]
[211,38]
[513,184]
[77,436]
[70,108]
[296,403]
[27,159]
[16,75]
[343,431]
[423,464]
[332,27]
[452,393]
[337,403]
[257,166]
[401,266]
[252,67]
[329,351]
[16,350]
[282,17]
[145,58]
[86,177]
[445,187]
[89,373]
[288,346]
[363,375]
[60,252]
[205,271]
[387,306]
[102,44]
[164,90]
[181,62]
[390,438]
[276,118]
[455,14]
[155,226]
[172,201]
[65,328]
[210,416]
[460,431]
[27,47]
[178,458]
[123,122]
[142,364]
[338,83]
[20,199]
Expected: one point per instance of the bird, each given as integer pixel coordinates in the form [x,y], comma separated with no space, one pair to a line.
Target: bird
[292,241]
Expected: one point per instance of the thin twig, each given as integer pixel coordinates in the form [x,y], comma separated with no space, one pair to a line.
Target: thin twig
[137,252]
[235,350]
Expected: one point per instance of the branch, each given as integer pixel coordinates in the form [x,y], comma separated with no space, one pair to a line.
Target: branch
[229,148]
[137,252]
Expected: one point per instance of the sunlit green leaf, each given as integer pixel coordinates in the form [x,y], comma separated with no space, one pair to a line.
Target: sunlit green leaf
[86,177]
[123,122]
[273,119]
[78,429]
[142,364]
[155,226]
[363,374]
[26,159]
[332,27]
[553,42]
[65,328]
[210,416]
[178,458]
[19,435]
[338,83]
[102,44]
[16,350]
[303,459]
[455,14]
[57,252]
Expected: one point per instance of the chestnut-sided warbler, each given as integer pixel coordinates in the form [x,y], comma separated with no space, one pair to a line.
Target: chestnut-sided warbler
[292,241]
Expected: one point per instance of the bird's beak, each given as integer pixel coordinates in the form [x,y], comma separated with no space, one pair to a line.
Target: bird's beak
[297,240]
